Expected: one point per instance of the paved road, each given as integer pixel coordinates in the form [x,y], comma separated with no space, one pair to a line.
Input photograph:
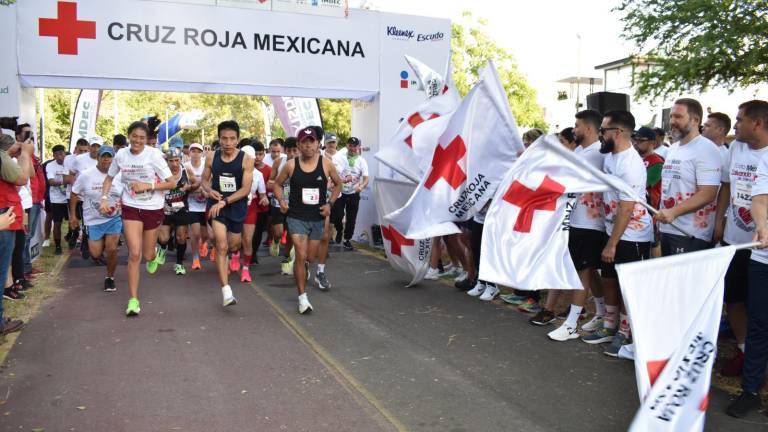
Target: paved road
[373,356]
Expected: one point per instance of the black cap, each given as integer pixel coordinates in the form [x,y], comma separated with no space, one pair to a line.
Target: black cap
[645,133]
[353,141]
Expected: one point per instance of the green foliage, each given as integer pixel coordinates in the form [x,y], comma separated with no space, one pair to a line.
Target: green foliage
[698,44]
[337,117]
[471,48]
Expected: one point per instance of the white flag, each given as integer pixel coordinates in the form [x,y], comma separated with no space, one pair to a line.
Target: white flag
[525,237]
[85,116]
[478,146]
[406,255]
[674,304]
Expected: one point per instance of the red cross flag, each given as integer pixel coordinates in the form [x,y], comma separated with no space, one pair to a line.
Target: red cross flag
[674,304]
[468,159]
[525,237]
[442,99]
[407,255]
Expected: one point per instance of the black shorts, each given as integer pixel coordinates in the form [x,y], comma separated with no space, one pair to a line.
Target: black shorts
[276,217]
[736,280]
[626,252]
[177,219]
[672,244]
[60,212]
[196,217]
[586,247]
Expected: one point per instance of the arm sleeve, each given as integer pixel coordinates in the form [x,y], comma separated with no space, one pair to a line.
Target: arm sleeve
[77,187]
[114,168]
[708,166]
[160,166]
[363,167]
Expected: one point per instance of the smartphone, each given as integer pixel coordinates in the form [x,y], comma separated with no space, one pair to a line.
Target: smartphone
[27,135]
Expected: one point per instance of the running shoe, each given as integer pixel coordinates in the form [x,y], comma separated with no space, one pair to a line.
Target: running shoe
[563,333]
[348,245]
[477,290]
[513,299]
[304,305]
[603,335]
[213,254]
[160,256]
[245,275]
[274,249]
[228,298]
[46,243]
[152,266]
[595,323]
[462,276]
[322,281]
[286,266]
[202,250]
[57,251]
[465,285]
[133,308]
[619,340]
[490,293]
[109,285]
[196,264]
[447,270]
[744,404]
[10,325]
[542,318]
[432,274]
[234,262]
[12,294]
[529,306]
[179,269]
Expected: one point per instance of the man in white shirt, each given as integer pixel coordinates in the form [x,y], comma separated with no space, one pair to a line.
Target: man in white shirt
[752,127]
[689,183]
[355,179]
[59,193]
[716,128]
[75,166]
[275,152]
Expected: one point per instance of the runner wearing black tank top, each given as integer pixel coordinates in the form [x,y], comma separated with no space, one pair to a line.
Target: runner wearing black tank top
[227,180]
[308,206]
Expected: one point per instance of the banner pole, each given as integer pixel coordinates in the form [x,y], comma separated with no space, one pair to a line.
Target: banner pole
[746,245]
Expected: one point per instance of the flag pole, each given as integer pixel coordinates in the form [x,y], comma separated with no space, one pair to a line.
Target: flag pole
[746,245]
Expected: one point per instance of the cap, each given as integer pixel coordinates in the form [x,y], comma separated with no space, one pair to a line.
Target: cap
[249,150]
[645,133]
[306,133]
[331,137]
[106,150]
[173,153]
[353,140]
[196,146]
[96,140]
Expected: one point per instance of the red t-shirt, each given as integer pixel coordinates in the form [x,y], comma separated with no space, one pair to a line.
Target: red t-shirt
[37,184]
[9,197]
[653,165]
[265,171]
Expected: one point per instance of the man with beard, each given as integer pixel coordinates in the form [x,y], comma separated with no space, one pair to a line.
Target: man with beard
[689,183]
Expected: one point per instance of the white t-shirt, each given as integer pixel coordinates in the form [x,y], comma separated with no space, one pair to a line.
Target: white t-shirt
[697,163]
[149,166]
[25,193]
[88,186]
[741,175]
[628,166]
[257,185]
[353,175]
[197,200]
[269,161]
[588,213]
[58,194]
[761,188]
[662,151]
[81,163]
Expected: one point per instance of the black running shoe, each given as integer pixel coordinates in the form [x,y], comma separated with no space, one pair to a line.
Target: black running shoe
[743,405]
[109,285]
[542,318]
[57,251]
[465,285]
[348,245]
[12,294]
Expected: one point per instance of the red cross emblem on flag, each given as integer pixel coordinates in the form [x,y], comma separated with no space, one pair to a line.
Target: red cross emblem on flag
[66,28]
[414,120]
[542,198]
[396,239]
[445,164]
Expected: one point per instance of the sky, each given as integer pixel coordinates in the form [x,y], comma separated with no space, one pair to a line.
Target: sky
[541,34]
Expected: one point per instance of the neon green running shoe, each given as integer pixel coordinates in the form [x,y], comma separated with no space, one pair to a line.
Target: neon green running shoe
[152,266]
[133,308]
[160,256]
[274,249]
[180,270]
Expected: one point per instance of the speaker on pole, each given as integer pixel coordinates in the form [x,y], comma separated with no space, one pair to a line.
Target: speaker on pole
[603,102]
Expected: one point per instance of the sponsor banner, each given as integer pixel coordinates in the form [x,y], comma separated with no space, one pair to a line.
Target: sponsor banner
[199,44]
[295,113]
[333,8]
[86,113]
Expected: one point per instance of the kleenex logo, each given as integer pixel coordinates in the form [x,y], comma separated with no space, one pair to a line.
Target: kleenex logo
[399,33]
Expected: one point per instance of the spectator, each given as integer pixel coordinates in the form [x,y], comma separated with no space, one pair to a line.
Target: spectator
[531,135]
[660,147]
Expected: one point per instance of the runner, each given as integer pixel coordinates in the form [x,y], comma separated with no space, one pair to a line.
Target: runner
[277,216]
[340,163]
[197,202]
[307,205]
[142,201]
[276,219]
[355,180]
[176,212]
[59,193]
[104,228]
[227,180]
[81,147]
[258,205]
[80,164]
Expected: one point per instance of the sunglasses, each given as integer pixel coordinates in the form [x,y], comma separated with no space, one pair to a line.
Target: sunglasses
[603,130]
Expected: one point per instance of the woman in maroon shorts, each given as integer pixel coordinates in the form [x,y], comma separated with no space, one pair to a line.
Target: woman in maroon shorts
[145,175]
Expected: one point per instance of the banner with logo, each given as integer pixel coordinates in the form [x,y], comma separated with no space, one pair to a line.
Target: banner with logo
[84,119]
[178,122]
[406,255]
[675,305]
[333,8]
[295,113]
[196,47]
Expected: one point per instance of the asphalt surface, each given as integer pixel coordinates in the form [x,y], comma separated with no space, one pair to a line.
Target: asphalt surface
[373,356]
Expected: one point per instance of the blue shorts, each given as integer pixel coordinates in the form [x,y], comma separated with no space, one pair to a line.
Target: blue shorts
[311,229]
[113,227]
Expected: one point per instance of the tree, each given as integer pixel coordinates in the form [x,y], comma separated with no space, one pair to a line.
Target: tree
[471,48]
[697,44]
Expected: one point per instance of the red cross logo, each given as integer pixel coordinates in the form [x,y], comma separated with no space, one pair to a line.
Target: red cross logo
[67,28]
[414,120]
[543,198]
[396,239]
[445,164]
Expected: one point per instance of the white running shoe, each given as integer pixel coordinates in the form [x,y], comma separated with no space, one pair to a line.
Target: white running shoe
[228,298]
[304,305]
[563,333]
[46,243]
[477,290]
[490,293]
[595,323]
[462,276]
[446,270]
[432,274]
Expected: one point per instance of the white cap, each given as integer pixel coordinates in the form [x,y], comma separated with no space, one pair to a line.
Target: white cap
[196,146]
[96,140]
